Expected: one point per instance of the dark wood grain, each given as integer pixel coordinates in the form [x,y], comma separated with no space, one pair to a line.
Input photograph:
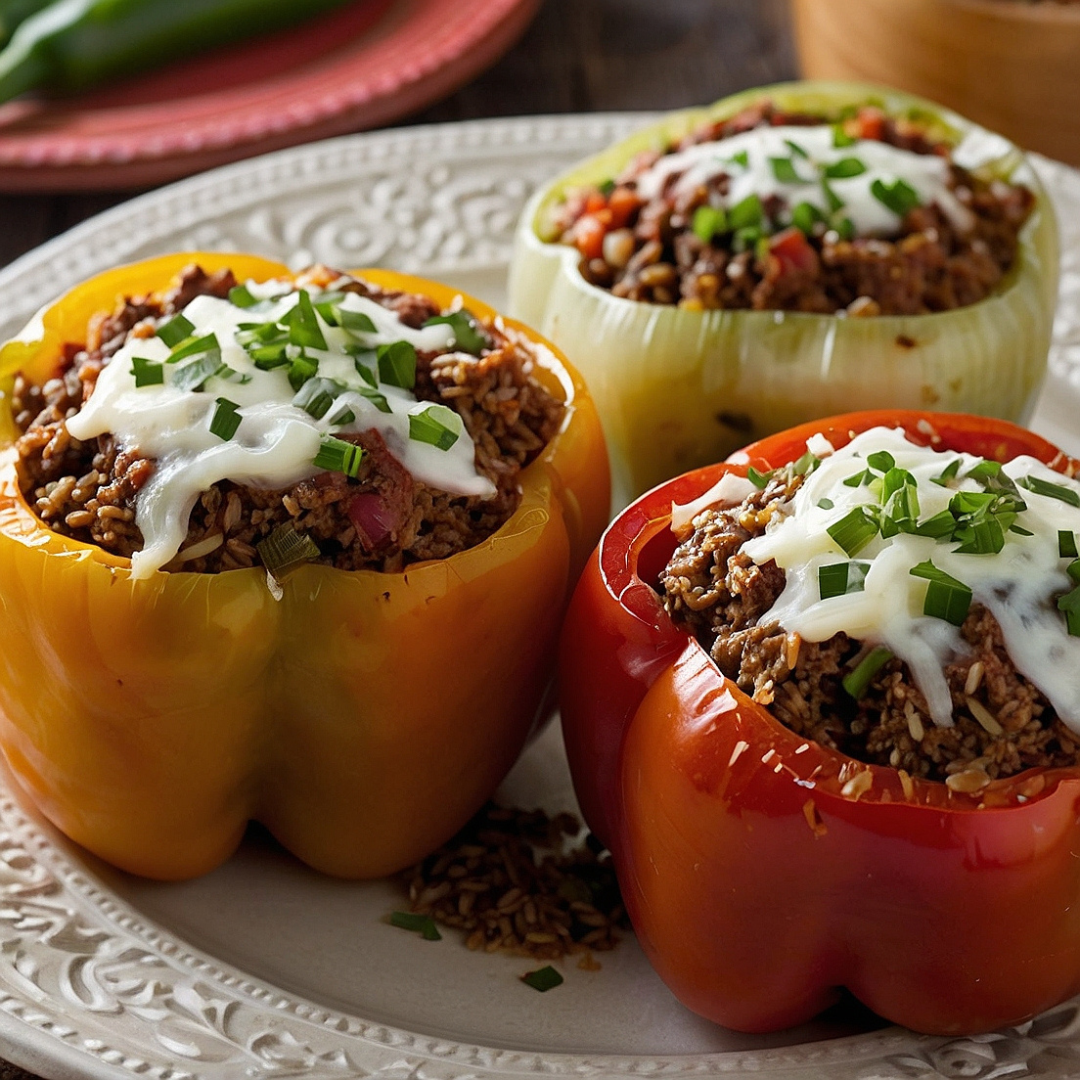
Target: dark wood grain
[577,56]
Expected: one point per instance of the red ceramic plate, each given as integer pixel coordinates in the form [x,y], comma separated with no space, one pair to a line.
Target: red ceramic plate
[366,64]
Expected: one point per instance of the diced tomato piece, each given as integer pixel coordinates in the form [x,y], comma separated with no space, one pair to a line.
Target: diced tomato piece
[622,204]
[871,122]
[589,233]
[793,251]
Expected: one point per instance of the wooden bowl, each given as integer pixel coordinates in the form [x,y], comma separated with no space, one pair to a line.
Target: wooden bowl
[1013,67]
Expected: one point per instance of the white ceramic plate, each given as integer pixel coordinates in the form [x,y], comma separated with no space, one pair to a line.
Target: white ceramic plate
[264,969]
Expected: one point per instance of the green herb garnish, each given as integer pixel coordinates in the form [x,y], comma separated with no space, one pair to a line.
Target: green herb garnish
[784,170]
[225,420]
[854,530]
[240,296]
[709,221]
[946,597]
[544,979]
[844,169]
[899,196]
[194,346]
[757,478]
[1067,544]
[424,925]
[175,330]
[838,579]
[468,336]
[147,372]
[855,682]
[194,374]
[805,217]
[436,425]
[285,549]
[397,364]
[1053,491]
[303,324]
[302,368]
[337,455]
[748,213]
[317,395]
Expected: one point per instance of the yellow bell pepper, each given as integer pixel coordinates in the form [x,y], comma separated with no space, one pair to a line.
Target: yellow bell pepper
[363,718]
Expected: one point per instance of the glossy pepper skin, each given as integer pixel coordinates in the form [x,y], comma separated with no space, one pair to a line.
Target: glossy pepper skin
[761,871]
[362,718]
[71,45]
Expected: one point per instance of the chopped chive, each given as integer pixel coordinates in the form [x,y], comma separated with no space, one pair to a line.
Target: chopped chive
[1020,532]
[606,188]
[1053,491]
[985,470]
[899,196]
[845,228]
[225,420]
[175,330]
[840,138]
[746,214]
[437,425]
[826,504]
[424,925]
[317,395]
[983,537]
[367,373]
[147,372]
[854,530]
[261,334]
[805,217]
[1069,603]
[833,200]
[268,357]
[337,455]
[1067,544]
[858,479]
[796,149]
[1073,570]
[303,324]
[709,221]
[946,597]
[342,418]
[855,682]
[784,170]
[285,549]
[844,169]
[325,304]
[468,336]
[194,346]
[838,579]
[356,321]
[376,399]
[881,461]
[948,473]
[543,979]
[805,464]
[193,375]
[939,526]
[397,364]
[302,368]
[240,296]
[741,158]
[757,478]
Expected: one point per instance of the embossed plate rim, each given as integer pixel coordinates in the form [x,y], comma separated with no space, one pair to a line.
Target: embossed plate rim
[235,207]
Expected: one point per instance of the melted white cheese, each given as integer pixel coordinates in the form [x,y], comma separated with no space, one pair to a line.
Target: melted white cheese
[276,442]
[701,163]
[1018,585]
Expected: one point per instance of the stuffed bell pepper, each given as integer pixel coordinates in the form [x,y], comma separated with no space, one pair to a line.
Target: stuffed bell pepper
[290,548]
[822,703]
[789,253]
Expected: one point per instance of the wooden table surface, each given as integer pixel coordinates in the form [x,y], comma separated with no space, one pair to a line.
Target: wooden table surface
[577,56]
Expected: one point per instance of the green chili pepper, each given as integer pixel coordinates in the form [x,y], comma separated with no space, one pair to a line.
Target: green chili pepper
[14,12]
[71,45]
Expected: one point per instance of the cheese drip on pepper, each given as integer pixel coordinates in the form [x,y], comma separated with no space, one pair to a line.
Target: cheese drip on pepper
[277,440]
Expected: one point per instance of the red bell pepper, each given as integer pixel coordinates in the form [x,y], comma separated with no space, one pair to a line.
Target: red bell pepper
[763,872]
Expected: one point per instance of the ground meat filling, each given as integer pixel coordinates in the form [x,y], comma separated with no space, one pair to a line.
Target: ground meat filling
[650,252]
[1002,723]
[382,519]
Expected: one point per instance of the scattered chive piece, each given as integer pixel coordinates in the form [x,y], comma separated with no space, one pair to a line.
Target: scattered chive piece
[844,169]
[939,526]
[1067,544]
[857,479]
[834,201]
[301,368]
[854,530]
[806,464]
[881,461]
[805,216]
[746,214]
[1053,491]
[193,347]
[356,321]
[424,925]
[376,399]
[240,296]
[607,187]
[317,395]
[366,373]
[1070,604]
[1073,570]
[946,597]
[709,221]
[845,228]
[344,417]
[985,470]
[826,504]
[899,196]
[303,324]
[832,580]
[193,375]
[757,478]
[175,330]
[147,372]
[741,158]
[543,979]
[948,473]
[268,357]
[467,333]
[840,138]
[225,420]
[285,549]
[856,681]
[437,425]
[796,149]
[337,455]
[983,537]
[397,364]
[784,170]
